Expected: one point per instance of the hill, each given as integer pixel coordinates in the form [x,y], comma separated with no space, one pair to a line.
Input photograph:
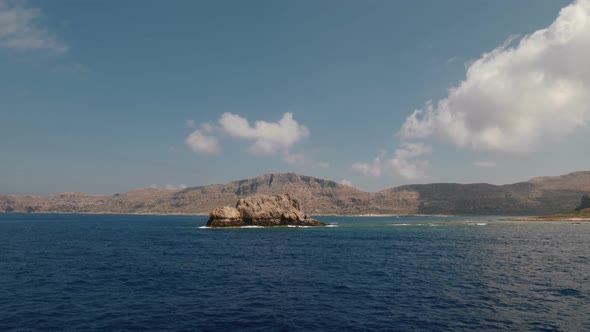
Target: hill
[538,196]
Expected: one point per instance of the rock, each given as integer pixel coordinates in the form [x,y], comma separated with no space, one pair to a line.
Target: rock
[261,210]
[226,216]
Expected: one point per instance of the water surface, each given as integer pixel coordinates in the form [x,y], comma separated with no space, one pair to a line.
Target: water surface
[167,273]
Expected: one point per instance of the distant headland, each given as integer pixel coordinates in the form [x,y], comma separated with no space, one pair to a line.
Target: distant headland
[538,196]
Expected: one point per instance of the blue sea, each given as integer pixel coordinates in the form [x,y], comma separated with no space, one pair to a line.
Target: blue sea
[169,273]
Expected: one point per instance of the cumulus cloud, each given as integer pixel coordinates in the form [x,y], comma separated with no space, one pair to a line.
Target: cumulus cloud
[485,164]
[20,31]
[404,162]
[202,141]
[268,137]
[374,169]
[516,97]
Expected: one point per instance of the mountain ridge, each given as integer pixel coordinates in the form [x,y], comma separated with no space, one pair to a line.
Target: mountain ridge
[540,195]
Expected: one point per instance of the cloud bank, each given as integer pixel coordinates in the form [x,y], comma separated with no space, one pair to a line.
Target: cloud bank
[515,98]
[20,31]
[404,163]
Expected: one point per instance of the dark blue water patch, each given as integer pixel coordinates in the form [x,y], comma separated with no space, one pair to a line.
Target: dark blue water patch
[163,273]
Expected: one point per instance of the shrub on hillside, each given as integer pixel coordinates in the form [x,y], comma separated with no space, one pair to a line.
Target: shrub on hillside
[585,204]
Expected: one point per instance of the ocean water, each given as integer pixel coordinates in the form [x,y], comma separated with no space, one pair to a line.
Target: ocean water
[168,273]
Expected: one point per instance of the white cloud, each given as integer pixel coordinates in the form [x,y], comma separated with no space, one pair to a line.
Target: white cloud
[323,164]
[201,141]
[268,137]
[375,168]
[346,183]
[515,98]
[20,31]
[170,187]
[404,162]
[173,187]
[485,164]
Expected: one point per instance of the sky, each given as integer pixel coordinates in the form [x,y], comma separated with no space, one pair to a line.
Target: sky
[106,96]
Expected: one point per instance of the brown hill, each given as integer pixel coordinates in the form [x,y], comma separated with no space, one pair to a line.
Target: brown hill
[535,197]
[572,181]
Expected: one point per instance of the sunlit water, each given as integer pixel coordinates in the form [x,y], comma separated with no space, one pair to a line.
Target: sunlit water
[103,273]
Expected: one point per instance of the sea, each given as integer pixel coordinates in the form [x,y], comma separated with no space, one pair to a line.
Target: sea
[170,273]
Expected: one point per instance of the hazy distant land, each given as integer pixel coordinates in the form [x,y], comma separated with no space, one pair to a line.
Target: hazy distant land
[538,196]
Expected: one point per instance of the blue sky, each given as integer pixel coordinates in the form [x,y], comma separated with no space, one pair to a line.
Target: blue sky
[107,96]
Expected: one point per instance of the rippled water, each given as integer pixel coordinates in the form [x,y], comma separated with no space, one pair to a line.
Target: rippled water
[96,273]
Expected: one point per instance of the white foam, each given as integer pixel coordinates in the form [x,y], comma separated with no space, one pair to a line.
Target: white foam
[251,226]
[205,227]
[331,225]
[481,224]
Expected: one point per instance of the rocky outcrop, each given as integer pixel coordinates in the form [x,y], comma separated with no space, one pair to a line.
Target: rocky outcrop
[261,210]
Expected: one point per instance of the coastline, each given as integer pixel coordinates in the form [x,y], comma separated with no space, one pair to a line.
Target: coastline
[547,219]
[111,213]
[207,214]
[506,219]
[375,215]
